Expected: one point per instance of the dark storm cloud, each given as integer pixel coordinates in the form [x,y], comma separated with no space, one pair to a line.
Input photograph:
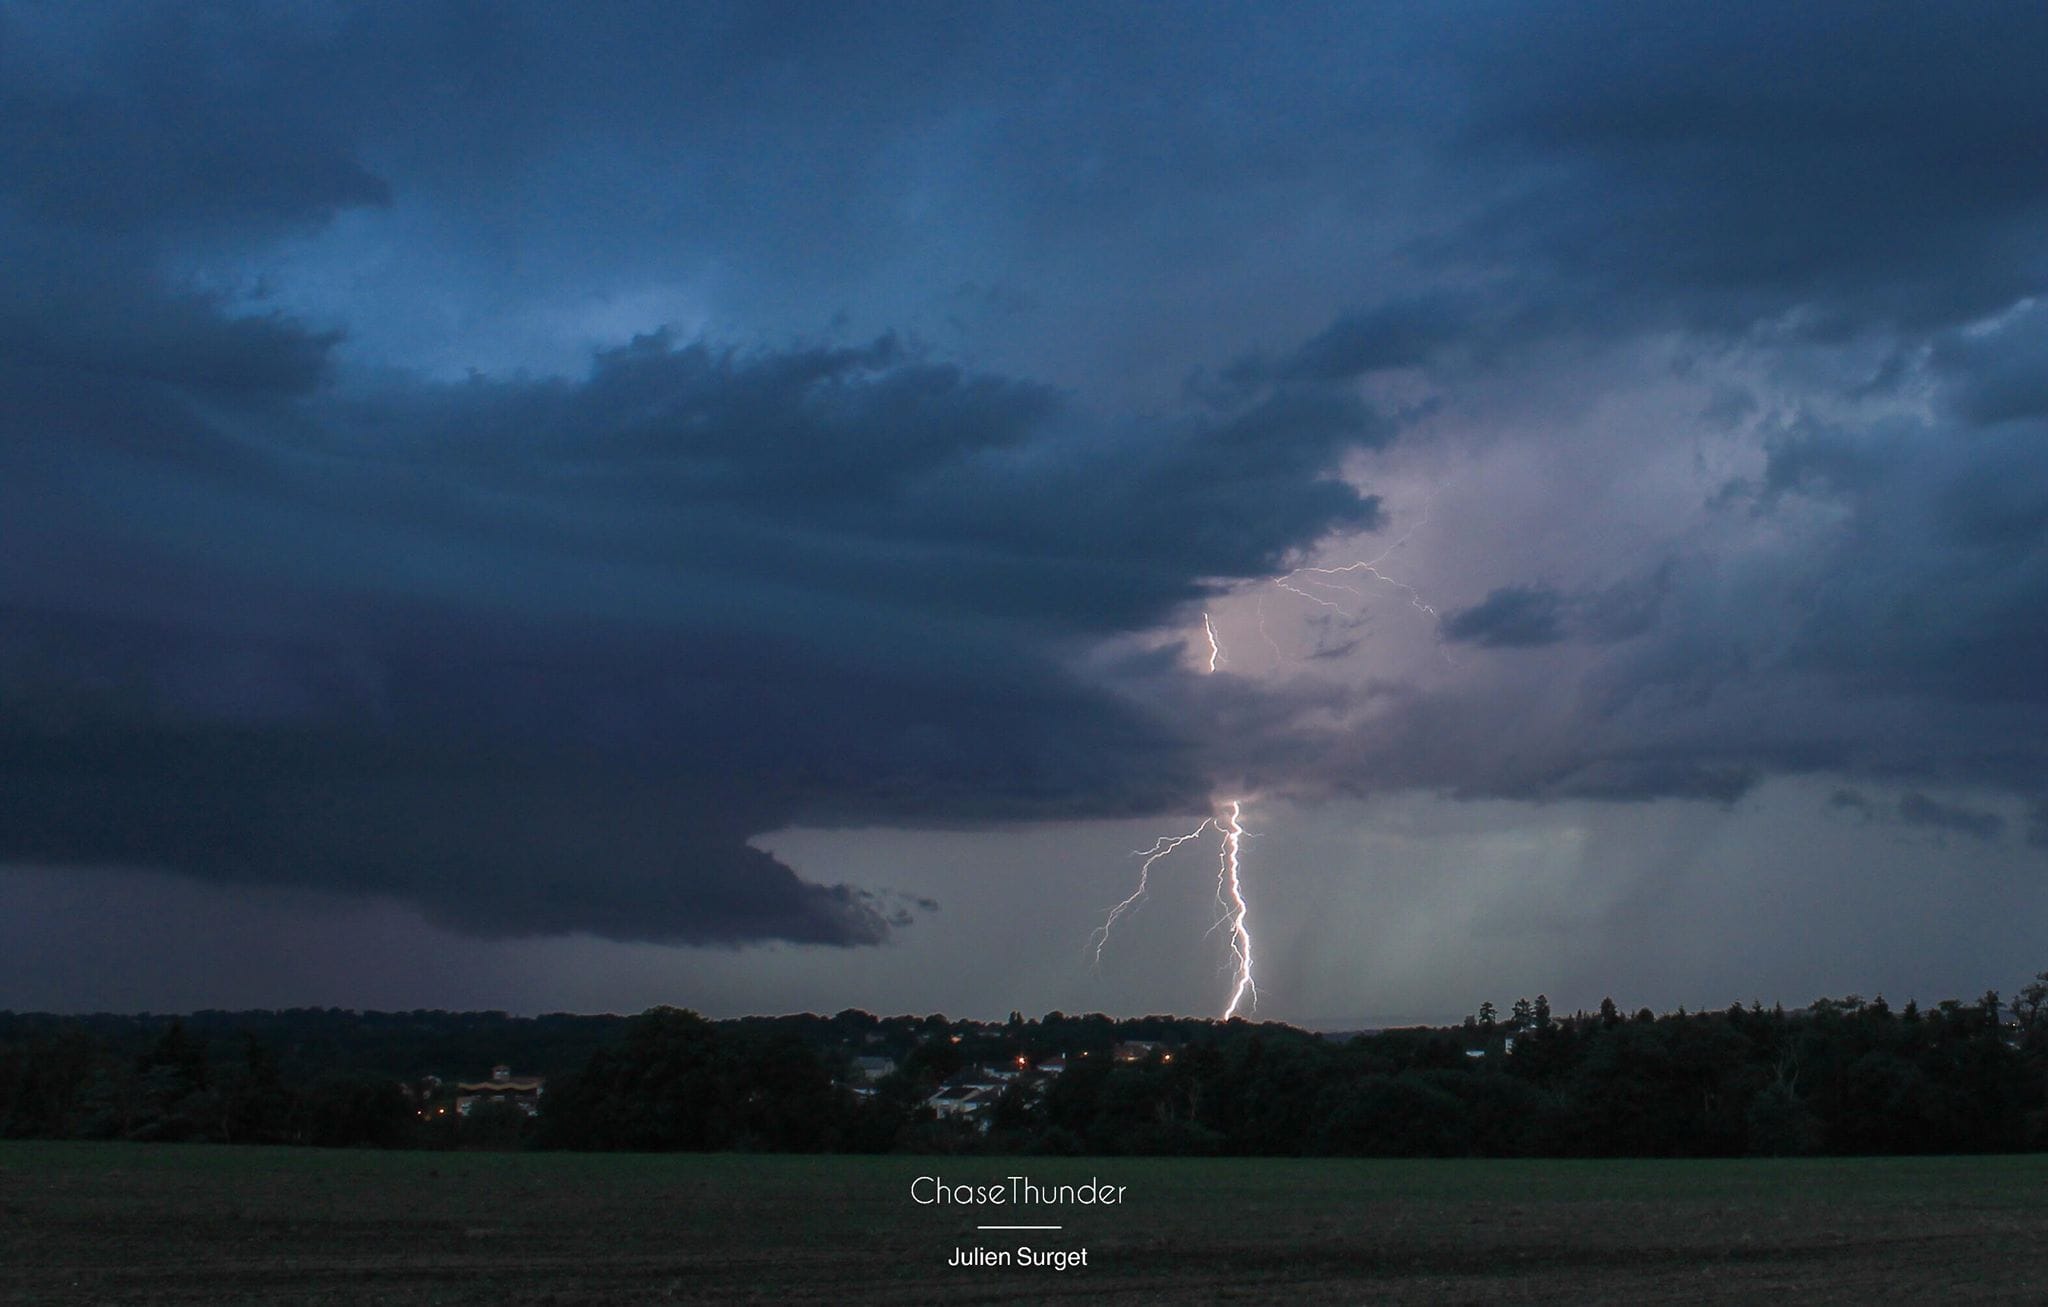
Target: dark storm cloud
[1475,742]
[1516,616]
[1919,810]
[508,778]
[545,653]
[176,339]
[539,655]
[1789,183]
[1401,334]
[1862,164]
[827,583]
[1785,183]
[1916,809]
[148,121]
[1530,616]
[1939,569]
[1995,373]
[867,471]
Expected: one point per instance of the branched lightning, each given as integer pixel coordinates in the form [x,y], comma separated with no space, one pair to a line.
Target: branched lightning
[1165,845]
[1229,883]
[1370,569]
[1317,585]
[1226,823]
[1240,934]
[1307,576]
[1264,633]
[1300,576]
[1287,583]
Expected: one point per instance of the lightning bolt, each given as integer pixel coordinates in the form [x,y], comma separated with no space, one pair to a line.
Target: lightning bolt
[1216,658]
[1229,885]
[1266,634]
[1165,845]
[1228,821]
[1300,576]
[1369,568]
[1287,583]
[1228,824]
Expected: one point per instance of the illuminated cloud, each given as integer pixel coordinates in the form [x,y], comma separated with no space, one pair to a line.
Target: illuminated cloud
[510,462]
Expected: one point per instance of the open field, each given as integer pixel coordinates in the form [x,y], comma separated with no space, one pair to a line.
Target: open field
[199,1224]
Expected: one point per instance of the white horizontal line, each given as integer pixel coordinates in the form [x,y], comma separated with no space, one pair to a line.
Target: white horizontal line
[1019,1227]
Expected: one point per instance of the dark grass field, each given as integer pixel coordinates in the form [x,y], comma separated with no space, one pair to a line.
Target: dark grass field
[112,1223]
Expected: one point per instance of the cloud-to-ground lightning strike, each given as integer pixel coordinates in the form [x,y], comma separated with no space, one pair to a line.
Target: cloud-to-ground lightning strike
[1233,890]
[1229,884]
[1227,821]
[1228,824]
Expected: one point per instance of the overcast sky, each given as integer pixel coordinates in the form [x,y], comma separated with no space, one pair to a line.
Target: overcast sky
[587,506]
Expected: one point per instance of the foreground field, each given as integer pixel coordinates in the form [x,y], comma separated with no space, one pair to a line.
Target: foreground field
[167,1224]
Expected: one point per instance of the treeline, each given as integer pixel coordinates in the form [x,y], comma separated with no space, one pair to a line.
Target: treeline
[319,1076]
[71,1085]
[1845,1077]
[308,1043]
[1842,1076]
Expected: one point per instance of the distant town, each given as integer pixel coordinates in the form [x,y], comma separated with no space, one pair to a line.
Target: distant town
[1848,1075]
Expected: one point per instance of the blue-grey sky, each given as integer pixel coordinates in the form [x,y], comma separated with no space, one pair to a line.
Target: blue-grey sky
[581,506]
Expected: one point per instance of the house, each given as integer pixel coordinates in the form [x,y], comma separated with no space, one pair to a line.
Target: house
[968,1097]
[1140,1050]
[968,1103]
[867,1070]
[523,1092]
[960,1100]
